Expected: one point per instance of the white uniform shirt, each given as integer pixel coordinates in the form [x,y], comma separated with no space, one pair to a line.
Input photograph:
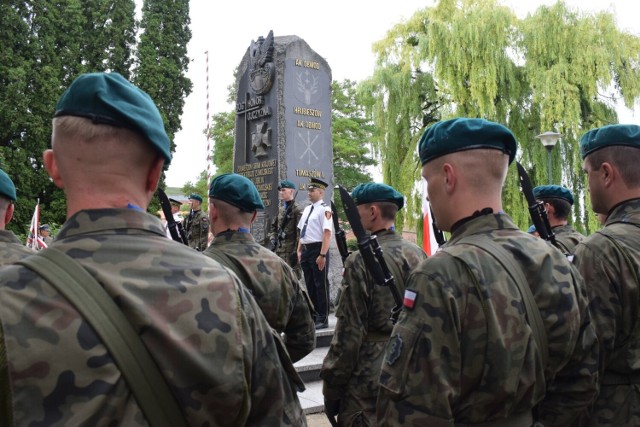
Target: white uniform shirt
[318,222]
[177,218]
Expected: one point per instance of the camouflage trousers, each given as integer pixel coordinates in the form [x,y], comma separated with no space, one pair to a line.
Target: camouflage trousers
[357,411]
[617,405]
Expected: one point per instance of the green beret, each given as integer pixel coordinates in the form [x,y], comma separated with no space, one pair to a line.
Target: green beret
[463,134]
[607,136]
[553,192]
[285,183]
[374,192]
[317,183]
[195,196]
[236,190]
[7,189]
[110,99]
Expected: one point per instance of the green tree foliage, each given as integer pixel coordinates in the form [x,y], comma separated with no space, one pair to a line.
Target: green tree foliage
[45,45]
[222,134]
[41,53]
[557,69]
[162,61]
[352,133]
[112,26]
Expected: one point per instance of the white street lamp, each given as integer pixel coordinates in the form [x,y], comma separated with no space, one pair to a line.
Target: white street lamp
[549,140]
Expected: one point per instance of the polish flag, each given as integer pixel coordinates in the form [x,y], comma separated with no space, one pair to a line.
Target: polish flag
[34,240]
[429,244]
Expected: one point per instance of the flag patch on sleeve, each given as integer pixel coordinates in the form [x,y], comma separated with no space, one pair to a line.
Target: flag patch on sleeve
[410,298]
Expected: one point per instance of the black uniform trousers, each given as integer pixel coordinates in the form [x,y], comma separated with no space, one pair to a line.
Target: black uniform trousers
[316,280]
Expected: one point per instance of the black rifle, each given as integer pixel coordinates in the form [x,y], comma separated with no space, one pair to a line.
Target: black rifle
[280,234]
[437,233]
[371,253]
[175,228]
[536,208]
[341,238]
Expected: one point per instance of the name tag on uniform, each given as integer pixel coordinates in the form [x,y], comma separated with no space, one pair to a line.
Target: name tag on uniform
[410,298]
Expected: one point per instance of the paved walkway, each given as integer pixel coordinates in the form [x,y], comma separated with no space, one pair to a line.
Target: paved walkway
[318,420]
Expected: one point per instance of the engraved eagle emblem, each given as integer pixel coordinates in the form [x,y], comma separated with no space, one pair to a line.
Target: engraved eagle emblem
[262,67]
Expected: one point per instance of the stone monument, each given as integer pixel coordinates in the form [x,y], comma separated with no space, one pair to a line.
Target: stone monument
[283,126]
[283,120]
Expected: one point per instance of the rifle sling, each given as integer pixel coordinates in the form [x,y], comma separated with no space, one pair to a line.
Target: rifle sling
[395,271]
[505,258]
[138,368]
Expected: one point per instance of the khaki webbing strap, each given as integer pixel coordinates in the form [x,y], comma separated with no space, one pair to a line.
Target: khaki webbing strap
[505,258]
[98,308]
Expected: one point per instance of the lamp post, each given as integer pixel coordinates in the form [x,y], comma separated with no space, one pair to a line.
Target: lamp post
[549,140]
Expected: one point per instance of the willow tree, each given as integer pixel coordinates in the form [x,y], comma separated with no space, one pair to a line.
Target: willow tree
[475,58]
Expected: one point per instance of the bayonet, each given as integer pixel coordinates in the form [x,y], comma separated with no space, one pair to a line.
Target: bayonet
[536,208]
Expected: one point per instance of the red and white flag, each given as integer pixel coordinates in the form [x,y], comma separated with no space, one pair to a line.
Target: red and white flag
[429,243]
[34,241]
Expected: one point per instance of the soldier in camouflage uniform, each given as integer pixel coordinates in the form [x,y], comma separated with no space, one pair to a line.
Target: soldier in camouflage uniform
[609,261]
[285,241]
[352,366]
[557,202]
[196,224]
[495,328]
[233,201]
[201,326]
[11,248]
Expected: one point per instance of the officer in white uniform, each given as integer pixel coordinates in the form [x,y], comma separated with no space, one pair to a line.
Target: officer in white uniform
[316,228]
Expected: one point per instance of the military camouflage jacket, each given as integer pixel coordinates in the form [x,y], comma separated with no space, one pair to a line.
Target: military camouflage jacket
[567,238]
[11,249]
[610,271]
[363,326]
[289,244]
[274,286]
[465,353]
[201,326]
[197,228]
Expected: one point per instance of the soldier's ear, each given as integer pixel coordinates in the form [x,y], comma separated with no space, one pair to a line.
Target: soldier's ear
[8,215]
[51,166]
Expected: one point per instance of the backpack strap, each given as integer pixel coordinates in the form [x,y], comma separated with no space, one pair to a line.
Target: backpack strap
[139,369]
[505,258]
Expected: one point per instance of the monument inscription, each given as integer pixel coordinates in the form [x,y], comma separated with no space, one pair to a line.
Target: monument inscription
[283,120]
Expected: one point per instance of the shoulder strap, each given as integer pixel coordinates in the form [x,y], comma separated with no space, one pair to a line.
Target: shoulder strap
[98,308]
[514,270]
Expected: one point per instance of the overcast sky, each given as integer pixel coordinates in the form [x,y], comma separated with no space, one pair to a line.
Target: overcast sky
[341,31]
